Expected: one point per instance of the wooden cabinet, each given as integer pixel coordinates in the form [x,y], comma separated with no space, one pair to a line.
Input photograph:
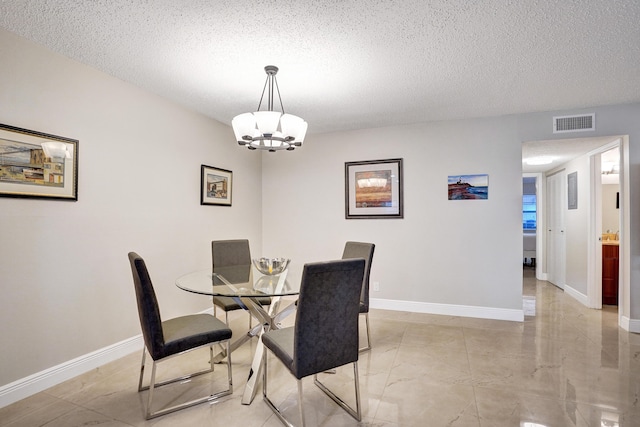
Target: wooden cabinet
[610,274]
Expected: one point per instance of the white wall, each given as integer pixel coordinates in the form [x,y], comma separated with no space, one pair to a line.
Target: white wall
[443,254]
[577,226]
[610,215]
[66,281]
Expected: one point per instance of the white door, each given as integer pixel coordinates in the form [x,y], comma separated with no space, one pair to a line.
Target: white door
[556,201]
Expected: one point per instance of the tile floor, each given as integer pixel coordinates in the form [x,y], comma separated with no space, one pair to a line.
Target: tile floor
[564,366]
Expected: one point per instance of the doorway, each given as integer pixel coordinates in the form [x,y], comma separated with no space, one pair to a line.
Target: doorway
[607,231]
[585,266]
[610,214]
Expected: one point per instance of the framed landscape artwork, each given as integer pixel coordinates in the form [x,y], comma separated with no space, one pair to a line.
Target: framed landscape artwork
[373,189]
[37,165]
[215,186]
[468,187]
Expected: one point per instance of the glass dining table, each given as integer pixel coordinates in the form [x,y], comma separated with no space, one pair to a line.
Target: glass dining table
[244,284]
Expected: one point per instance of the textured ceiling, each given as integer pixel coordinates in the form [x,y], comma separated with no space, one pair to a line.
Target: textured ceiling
[353,64]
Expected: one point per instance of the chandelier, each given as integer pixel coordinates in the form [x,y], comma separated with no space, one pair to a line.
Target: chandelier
[269,130]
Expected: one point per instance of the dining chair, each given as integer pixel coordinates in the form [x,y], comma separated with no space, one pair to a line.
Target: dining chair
[168,338]
[362,250]
[230,253]
[325,332]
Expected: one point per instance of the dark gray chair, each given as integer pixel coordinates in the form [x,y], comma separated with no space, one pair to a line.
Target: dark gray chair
[325,334]
[164,339]
[231,253]
[362,250]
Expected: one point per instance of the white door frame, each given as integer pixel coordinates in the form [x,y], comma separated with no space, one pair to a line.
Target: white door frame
[624,289]
[594,236]
[594,273]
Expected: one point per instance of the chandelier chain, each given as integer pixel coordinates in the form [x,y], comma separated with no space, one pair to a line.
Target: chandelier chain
[269,81]
[279,97]
[263,89]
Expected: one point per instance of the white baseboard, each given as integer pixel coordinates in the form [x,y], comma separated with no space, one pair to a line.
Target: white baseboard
[630,325]
[515,315]
[25,387]
[40,381]
[579,296]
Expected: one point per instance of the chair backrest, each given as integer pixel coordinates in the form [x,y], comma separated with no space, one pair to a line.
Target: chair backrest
[232,253]
[148,309]
[361,250]
[326,325]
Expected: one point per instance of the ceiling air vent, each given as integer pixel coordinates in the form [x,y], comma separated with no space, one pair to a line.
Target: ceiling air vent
[580,123]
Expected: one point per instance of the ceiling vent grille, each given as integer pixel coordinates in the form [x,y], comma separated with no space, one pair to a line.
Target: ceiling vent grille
[580,123]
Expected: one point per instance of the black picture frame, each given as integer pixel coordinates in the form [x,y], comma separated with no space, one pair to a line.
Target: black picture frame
[216,186]
[374,189]
[28,171]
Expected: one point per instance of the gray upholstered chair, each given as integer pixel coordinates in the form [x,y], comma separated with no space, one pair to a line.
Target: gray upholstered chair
[164,339]
[228,253]
[362,250]
[325,334]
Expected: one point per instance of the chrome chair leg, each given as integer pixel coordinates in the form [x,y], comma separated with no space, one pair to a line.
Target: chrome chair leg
[144,349]
[153,385]
[356,377]
[368,346]
[355,413]
[300,402]
[265,396]
[228,367]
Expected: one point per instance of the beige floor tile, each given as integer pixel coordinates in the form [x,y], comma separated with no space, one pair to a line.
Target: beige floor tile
[520,374]
[427,335]
[503,407]
[603,415]
[386,332]
[565,365]
[39,407]
[439,365]
[414,402]
[600,386]
[75,416]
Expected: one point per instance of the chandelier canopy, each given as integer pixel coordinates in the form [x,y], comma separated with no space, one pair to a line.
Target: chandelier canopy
[269,130]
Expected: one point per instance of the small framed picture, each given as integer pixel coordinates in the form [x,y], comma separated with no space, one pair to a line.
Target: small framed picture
[215,186]
[468,187]
[37,165]
[373,189]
